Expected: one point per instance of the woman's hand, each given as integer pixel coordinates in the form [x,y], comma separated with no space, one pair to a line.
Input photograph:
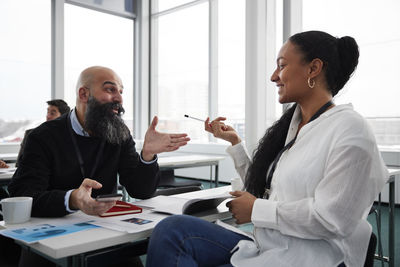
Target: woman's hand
[220,130]
[242,206]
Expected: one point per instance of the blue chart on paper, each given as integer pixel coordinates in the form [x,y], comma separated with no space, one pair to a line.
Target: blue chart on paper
[42,231]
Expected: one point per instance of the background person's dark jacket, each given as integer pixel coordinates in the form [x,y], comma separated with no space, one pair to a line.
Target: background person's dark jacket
[21,149]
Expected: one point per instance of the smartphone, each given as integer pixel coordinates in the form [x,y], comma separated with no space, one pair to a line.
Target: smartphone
[109,197]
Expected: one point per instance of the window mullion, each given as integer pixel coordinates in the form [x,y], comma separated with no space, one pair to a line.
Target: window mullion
[57,49]
[213,62]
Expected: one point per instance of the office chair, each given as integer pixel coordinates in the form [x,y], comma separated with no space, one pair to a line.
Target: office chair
[119,255]
[369,258]
[176,190]
[9,250]
[378,227]
[167,180]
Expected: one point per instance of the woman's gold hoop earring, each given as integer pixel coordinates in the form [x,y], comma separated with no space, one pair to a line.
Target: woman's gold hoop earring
[311,83]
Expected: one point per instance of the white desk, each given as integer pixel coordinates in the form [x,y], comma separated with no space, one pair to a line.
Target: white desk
[9,157]
[165,163]
[74,244]
[63,249]
[191,160]
[5,175]
[393,174]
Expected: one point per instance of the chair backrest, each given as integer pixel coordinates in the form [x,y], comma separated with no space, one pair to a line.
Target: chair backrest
[167,180]
[176,190]
[369,259]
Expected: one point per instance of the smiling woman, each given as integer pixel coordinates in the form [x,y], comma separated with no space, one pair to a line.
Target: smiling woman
[301,182]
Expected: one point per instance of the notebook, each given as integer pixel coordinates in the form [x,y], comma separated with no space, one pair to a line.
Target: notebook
[121,208]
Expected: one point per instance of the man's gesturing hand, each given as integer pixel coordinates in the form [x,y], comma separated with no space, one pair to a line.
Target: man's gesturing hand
[81,199]
[156,142]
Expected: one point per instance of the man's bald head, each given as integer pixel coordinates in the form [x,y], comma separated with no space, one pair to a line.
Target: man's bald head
[88,75]
[99,104]
[100,83]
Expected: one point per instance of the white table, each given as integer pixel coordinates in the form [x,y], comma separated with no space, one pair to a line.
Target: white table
[9,157]
[165,163]
[5,175]
[192,160]
[393,174]
[68,249]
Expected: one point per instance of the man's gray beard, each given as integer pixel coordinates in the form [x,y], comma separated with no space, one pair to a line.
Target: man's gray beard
[102,122]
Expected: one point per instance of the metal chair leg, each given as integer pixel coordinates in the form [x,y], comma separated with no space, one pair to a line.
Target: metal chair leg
[378,226]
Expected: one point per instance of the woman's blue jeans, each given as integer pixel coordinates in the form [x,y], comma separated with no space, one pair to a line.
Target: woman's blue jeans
[187,241]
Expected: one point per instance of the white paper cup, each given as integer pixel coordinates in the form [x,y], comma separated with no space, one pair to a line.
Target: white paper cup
[16,209]
[237,184]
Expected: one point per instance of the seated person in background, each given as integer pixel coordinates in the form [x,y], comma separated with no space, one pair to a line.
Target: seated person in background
[69,161]
[308,197]
[3,164]
[55,109]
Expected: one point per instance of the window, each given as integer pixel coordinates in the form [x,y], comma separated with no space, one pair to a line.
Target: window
[231,62]
[181,72]
[373,90]
[163,5]
[188,61]
[25,66]
[105,40]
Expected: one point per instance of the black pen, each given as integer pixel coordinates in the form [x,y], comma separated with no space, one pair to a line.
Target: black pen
[197,119]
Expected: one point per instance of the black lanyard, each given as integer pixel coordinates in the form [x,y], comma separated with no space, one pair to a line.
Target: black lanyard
[273,166]
[78,152]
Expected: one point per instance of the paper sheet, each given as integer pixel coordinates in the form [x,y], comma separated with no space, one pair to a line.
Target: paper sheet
[35,233]
[131,223]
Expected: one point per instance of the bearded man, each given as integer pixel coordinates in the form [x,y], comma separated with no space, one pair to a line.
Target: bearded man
[78,156]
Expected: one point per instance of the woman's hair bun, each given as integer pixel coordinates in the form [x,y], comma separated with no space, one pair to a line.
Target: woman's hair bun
[348,58]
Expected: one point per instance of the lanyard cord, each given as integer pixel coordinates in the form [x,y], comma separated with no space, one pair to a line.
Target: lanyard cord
[273,166]
[78,152]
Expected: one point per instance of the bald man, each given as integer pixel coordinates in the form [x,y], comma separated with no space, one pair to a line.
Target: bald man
[71,160]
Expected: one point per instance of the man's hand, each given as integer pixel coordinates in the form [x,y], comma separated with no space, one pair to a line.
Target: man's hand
[242,206]
[156,142]
[220,130]
[81,199]
[3,164]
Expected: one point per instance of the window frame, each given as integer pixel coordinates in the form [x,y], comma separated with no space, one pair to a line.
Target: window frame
[254,119]
[58,52]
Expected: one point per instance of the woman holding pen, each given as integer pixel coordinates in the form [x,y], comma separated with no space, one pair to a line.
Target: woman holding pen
[310,183]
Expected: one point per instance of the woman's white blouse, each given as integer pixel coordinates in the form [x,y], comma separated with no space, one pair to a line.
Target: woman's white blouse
[322,190]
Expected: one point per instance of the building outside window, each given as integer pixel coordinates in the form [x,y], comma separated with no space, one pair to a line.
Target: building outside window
[25,66]
[374,88]
[198,64]
[104,40]
[25,56]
